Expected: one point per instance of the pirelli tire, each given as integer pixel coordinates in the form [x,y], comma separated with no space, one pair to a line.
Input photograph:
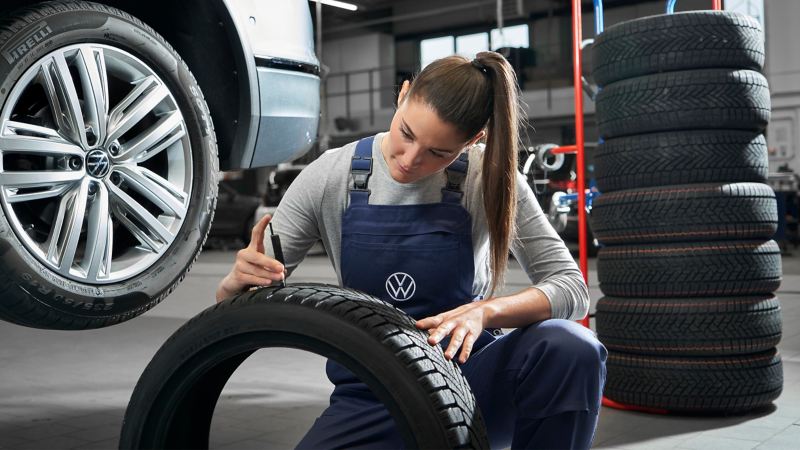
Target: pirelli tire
[681,41]
[689,212]
[430,401]
[685,100]
[689,326]
[667,158]
[696,384]
[123,96]
[690,269]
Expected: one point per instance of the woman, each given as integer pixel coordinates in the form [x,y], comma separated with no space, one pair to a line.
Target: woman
[424,218]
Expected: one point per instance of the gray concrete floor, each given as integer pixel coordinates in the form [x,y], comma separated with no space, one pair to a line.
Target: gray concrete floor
[69,390]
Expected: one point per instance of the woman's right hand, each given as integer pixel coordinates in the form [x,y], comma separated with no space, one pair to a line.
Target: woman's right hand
[252,267]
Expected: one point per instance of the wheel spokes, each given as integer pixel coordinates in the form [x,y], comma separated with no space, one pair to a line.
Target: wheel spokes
[147,94]
[155,139]
[99,236]
[91,65]
[63,241]
[156,189]
[63,98]
[18,137]
[64,207]
[145,227]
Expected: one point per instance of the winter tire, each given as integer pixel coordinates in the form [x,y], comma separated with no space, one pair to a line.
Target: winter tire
[682,41]
[689,326]
[700,269]
[108,180]
[700,384]
[689,212]
[430,401]
[698,156]
[686,100]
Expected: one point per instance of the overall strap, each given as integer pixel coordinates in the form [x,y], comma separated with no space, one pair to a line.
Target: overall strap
[456,173]
[361,169]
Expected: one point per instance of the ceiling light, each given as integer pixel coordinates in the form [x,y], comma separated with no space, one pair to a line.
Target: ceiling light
[338,4]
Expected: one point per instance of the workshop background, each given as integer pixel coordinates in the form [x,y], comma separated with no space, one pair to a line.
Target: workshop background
[69,390]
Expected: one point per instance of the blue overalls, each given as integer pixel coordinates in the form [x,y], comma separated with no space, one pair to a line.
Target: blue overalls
[538,387]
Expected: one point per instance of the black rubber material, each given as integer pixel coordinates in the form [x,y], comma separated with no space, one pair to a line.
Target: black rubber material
[681,41]
[701,384]
[689,326]
[700,269]
[685,100]
[689,212]
[30,293]
[698,156]
[430,401]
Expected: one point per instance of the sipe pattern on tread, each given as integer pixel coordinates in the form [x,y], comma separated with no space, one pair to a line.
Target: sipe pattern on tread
[681,41]
[699,269]
[690,212]
[685,100]
[701,384]
[689,326]
[696,156]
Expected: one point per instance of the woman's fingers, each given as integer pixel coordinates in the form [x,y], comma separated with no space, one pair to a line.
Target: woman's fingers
[257,234]
[466,348]
[255,258]
[248,268]
[455,342]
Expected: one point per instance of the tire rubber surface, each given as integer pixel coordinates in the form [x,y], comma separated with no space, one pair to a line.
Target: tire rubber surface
[430,401]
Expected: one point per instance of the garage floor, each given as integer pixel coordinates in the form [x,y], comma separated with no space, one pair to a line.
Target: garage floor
[65,390]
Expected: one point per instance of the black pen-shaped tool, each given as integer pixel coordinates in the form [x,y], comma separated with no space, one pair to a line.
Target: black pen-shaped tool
[276,248]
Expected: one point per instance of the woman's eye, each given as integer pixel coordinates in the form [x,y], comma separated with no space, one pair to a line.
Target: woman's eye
[438,154]
[405,135]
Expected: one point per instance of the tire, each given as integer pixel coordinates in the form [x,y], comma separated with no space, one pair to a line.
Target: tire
[429,399]
[686,100]
[701,384]
[689,326]
[682,41]
[75,290]
[699,156]
[689,212]
[700,269]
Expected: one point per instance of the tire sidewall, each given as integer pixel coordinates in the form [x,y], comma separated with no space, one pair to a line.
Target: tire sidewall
[101,25]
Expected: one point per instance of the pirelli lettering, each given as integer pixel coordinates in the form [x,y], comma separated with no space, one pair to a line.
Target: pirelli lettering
[17,48]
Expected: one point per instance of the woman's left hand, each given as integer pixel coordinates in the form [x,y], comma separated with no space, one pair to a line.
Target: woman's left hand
[463,324]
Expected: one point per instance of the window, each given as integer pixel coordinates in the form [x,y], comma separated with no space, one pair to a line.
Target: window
[516,36]
[470,44]
[433,49]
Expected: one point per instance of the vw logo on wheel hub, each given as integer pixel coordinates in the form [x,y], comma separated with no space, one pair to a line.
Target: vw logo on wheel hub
[97,163]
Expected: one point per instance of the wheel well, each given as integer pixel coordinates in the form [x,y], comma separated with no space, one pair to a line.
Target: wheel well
[205,38]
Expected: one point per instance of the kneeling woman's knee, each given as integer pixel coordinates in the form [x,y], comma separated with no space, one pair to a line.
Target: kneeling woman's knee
[570,343]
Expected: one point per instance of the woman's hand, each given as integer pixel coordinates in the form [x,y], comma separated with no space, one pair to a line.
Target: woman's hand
[252,267]
[463,324]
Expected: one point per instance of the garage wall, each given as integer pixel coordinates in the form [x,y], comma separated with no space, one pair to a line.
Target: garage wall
[783,73]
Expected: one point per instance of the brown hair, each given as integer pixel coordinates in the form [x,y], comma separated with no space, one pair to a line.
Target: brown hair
[473,95]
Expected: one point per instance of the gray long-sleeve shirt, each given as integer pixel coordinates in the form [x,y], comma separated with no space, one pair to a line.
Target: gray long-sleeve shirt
[313,206]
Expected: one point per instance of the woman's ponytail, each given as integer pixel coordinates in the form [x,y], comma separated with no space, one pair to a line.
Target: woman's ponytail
[473,95]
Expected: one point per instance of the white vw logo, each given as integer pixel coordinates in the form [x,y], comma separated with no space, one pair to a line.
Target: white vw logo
[400,286]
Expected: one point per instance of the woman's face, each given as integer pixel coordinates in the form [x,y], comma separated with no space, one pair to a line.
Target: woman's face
[419,143]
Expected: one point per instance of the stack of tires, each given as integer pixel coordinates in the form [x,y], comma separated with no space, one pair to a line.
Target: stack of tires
[688,269]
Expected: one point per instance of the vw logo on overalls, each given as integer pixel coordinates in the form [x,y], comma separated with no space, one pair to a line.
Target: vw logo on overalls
[400,286]
[97,163]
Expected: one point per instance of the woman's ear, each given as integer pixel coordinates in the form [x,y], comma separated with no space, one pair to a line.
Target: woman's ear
[403,91]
